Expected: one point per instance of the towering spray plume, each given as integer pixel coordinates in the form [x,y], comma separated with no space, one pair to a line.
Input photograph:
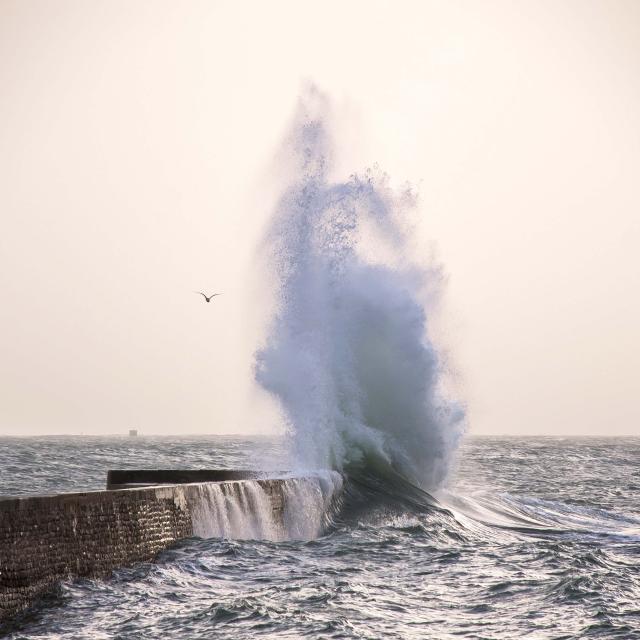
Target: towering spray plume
[348,354]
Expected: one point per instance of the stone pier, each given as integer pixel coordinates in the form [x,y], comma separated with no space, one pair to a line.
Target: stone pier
[44,539]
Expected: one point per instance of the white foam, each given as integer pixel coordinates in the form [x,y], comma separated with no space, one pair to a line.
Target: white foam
[348,354]
[245,510]
[307,503]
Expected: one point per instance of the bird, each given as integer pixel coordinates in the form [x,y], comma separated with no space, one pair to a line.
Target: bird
[208,298]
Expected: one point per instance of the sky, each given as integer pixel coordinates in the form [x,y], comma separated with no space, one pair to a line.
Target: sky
[137,150]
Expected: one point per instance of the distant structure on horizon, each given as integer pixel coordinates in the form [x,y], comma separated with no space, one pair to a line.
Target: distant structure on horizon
[133,433]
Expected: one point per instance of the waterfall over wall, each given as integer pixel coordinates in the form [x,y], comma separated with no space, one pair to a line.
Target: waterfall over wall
[44,539]
[295,508]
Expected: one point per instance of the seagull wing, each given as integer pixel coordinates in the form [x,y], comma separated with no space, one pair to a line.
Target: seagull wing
[202,294]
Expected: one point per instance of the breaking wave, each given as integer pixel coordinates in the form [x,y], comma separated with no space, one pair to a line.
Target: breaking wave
[348,354]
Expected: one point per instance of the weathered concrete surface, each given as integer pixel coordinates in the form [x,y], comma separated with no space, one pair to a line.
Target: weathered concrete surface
[123,478]
[44,539]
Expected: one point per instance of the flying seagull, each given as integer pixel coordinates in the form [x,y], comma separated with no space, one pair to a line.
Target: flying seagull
[208,298]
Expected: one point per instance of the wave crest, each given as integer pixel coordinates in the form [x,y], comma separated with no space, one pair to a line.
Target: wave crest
[348,354]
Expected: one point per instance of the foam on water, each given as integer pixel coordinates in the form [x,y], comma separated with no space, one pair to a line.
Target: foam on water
[348,353]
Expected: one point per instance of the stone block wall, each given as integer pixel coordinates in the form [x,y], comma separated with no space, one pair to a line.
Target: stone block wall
[44,539]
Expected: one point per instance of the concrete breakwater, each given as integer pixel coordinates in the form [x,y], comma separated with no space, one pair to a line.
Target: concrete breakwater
[129,478]
[44,539]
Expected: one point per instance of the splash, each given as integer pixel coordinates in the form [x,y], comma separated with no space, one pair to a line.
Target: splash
[348,354]
[294,508]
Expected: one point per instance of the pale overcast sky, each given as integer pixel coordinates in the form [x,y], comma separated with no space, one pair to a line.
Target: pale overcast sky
[137,142]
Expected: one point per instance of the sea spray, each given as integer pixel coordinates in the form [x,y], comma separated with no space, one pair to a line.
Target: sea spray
[348,354]
[291,508]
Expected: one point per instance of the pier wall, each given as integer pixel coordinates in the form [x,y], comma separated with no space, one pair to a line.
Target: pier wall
[44,539]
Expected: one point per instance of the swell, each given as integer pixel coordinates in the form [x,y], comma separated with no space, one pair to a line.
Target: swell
[369,499]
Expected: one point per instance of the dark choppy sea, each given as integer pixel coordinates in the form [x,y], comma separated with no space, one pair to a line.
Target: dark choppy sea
[536,538]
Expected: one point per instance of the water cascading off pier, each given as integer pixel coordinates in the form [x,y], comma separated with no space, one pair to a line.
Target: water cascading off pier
[45,539]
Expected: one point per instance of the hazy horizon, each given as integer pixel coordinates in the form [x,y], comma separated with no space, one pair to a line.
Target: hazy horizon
[139,163]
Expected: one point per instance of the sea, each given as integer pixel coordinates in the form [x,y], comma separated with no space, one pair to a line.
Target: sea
[528,537]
